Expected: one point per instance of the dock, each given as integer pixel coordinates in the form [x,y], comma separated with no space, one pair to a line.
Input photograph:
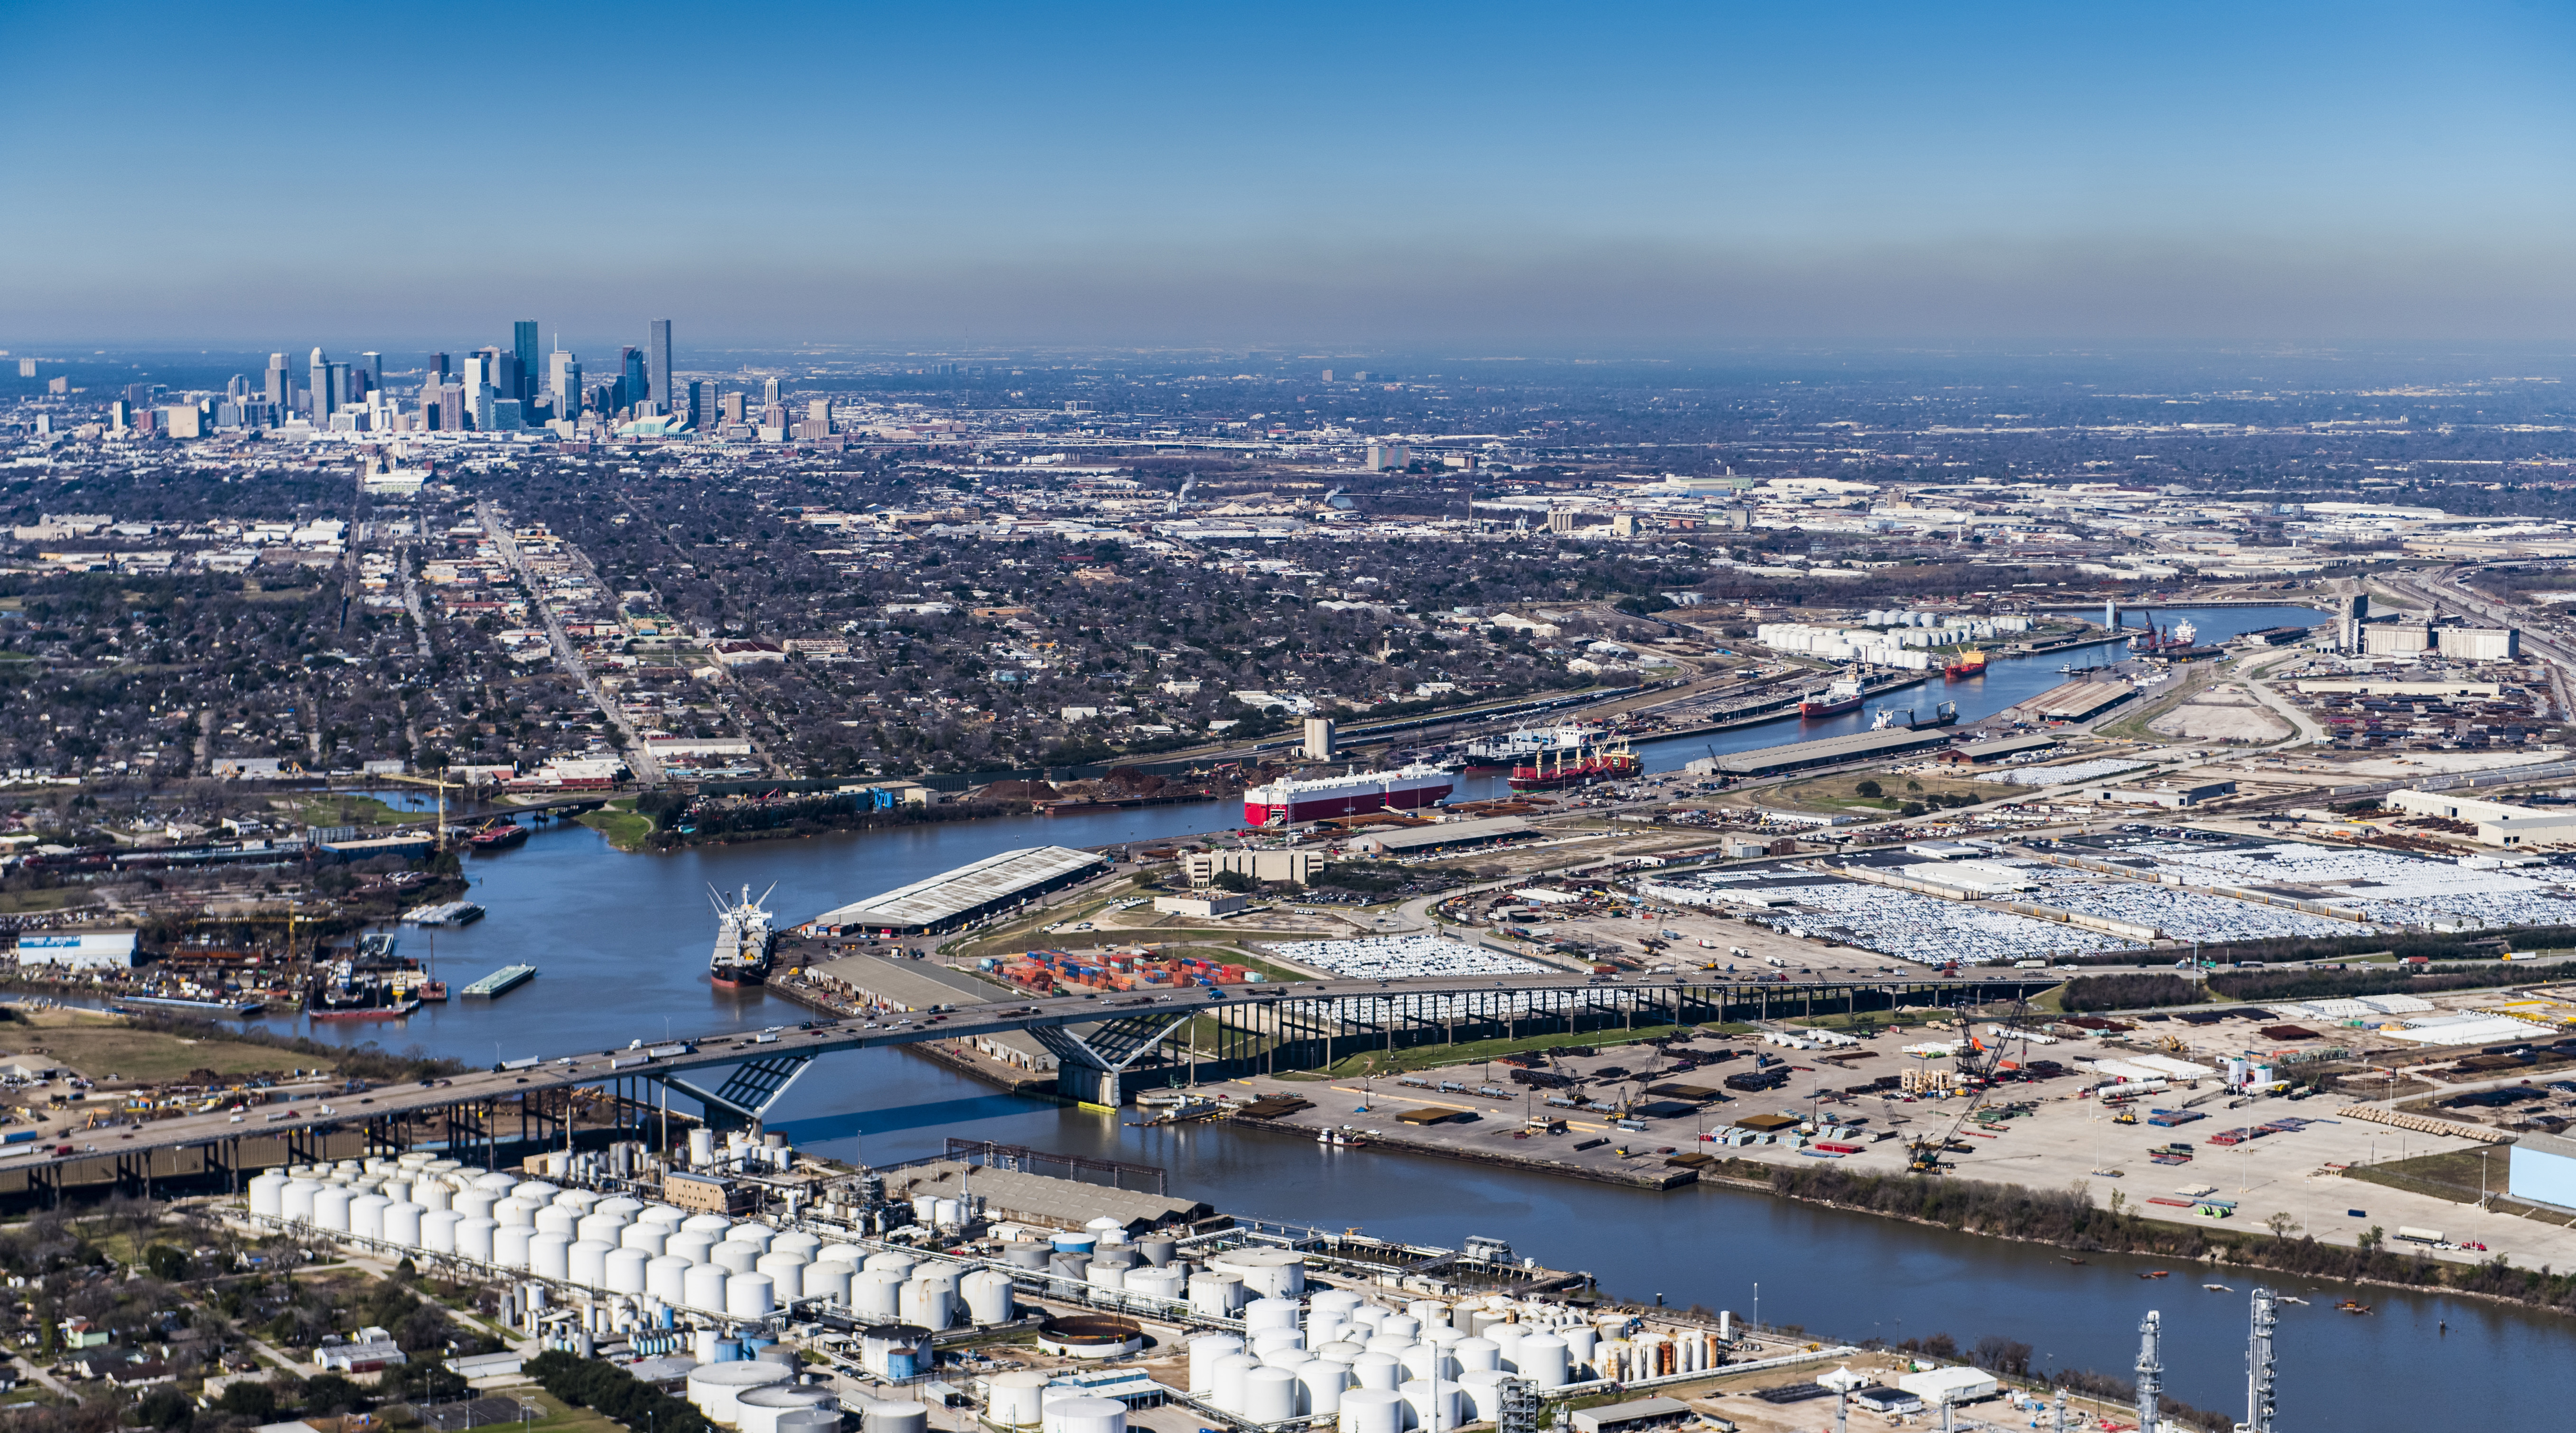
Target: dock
[501,982]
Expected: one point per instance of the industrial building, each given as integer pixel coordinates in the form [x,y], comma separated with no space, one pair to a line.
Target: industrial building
[952,899]
[78,950]
[1985,753]
[1439,836]
[1832,751]
[1290,867]
[2171,795]
[2498,824]
[2074,701]
[2542,1169]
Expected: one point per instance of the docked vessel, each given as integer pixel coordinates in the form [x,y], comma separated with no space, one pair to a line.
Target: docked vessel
[1286,802]
[1967,663]
[1839,696]
[1504,752]
[239,1009]
[2164,639]
[744,939]
[343,991]
[499,836]
[1578,768]
[1903,718]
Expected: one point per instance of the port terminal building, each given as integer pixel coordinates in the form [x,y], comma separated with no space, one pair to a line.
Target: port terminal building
[1831,751]
[955,899]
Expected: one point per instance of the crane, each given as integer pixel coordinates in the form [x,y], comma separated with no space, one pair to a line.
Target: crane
[1976,1060]
[438,836]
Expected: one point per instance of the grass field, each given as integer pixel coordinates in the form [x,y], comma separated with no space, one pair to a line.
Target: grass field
[59,898]
[2454,1176]
[625,828]
[347,808]
[102,1045]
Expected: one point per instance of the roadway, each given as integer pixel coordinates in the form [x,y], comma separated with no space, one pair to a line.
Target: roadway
[648,772]
[798,1044]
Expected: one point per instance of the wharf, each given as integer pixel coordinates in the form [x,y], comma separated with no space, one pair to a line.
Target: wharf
[1654,1175]
[1783,709]
[501,982]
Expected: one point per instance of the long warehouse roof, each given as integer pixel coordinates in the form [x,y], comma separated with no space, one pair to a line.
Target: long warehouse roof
[1855,747]
[952,893]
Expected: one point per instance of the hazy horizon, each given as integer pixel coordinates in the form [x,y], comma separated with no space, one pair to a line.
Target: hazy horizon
[1439,178]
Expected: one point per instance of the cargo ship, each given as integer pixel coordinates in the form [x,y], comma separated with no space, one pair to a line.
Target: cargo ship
[1895,718]
[1504,752]
[744,939]
[1963,665]
[1839,696]
[1580,768]
[497,837]
[2158,640]
[1287,802]
[343,992]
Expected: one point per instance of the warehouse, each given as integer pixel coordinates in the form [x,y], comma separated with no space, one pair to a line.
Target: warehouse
[1832,751]
[952,899]
[2498,823]
[2542,1169]
[1981,753]
[1439,836]
[2073,701]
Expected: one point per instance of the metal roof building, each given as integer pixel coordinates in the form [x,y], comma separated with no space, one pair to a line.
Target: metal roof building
[1439,835]
[1859,746]
[951,899]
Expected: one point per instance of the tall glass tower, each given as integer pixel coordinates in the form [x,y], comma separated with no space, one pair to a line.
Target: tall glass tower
[657,365]
[523,342]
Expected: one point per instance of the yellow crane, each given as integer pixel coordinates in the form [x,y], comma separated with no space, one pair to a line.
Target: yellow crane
[438,836]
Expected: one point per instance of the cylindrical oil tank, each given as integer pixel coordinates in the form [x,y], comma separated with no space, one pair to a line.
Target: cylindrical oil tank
[1017,1399]
[1368,1316]
[716,1388]
[1026,1255]
[1389,1344]
[1270,1340]
[653,1239]
[1157,1251]
[1374,1369]
[667,1278]
[987,1295]
[695,1246]
[624,1271]
[709,1224]
[473,1204]
[1285,1358]
[1431,1405]
[1475,1353]
[850,1254]
[535,1191]
[1072,1268]
[1580,1340]
[1217,1295]
[431,1194]
[510,1245]
[876,1294]
[762,1407]
[1205,1350]
[587,1259]
[1226,1384]
[1546,1360]
[438,1230]
[474,1238]
[1333,1303]
[735,1256]
[1269,1395]
[1341,1351]
[1119,1257]
[557,1219]
[1480,1394]
[1428,1313]
[603,1227]
[1104,1276]
[807,1420]
[1271,1273]
[402,1224]
[517,1211]
[889,1259]
[796,1241]
[1506,1339]
[1269,1313]
[495,1182]
[662,1214]
[549,1255]
[1153,1283]
[268,1194]
[1081,1244]
[1084,1415]
[750,1296]
[786,1271]
[927,1302]
[895,1352]
[752,1232]
[1403,1326]
[367,1215]
[627,1205]
[579,1201]
[703,1287]
[1322,1329]
[825,1281]
[1428,1360]
[903,1417]
[1319,1386]
[331,1208]
[1370,1410]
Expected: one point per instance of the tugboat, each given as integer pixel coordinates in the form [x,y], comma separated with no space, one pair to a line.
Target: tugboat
[1839,696]
[743,940]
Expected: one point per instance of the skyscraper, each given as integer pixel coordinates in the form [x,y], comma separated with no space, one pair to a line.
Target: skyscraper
[769,393]
[320,372]
[374,363]
[281,389]
[438,370]
[523,346]
[636,386]
[657,366]
[702,405]
[563,383]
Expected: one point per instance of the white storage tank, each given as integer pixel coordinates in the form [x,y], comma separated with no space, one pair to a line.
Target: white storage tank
[438,1230]
[714,1224]
[579,1201]
[1270,1313]
[1370,1410]
[621,1204]
[1216,1295]
[1480,1396]
[876,1295]
[473,1204]
[662,1214]
[516,1211]
[828,1281]
[762,1407]
[987,1295]
[850,1254]
[692,1245]
[752,1232]
[1333,1303]
[736,1256]
[1271,1340]
[1229,1379]
[1427,1360]
[603,1227]
[1269,1395]
[268,1194]
[1269,1273]
[1403,1326]
[653,1239]
[510,1245]
[928,1303]
[1319,1386]
[587,1259]
[367,1215]
[1474,1354]
[750,1296]
[1017,1399]
[556,1219]
[474,1238]
[1546,1360]
[535,1191]
[331,1208]
[549,1255]
[1105,1276]
[402,1224]
[889,1259]
[1430,1404]
[904,1417]
[807,1420]
[1152,1283]
[717,1388]
[785,1271]
[1382,1371]
[431,1194]
[1205,1350]
[796,1241]
[703,1288]
[624,1273]
[667,1278]
[496,1183]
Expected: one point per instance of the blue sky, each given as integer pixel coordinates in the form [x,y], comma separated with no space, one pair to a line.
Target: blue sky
[1489,176]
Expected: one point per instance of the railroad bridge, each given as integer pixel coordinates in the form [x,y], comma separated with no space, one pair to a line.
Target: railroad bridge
[1105,1044]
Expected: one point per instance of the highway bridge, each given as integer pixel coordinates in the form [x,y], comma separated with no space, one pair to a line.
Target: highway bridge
[1103,1043]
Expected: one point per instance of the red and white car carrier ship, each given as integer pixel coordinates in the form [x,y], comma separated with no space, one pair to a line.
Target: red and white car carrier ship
[1288,802]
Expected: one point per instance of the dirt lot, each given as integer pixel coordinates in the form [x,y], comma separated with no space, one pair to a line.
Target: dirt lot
[103,1047]
[2223,714]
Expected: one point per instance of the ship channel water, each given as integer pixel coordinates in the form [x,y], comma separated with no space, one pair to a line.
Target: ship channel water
[621,941]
